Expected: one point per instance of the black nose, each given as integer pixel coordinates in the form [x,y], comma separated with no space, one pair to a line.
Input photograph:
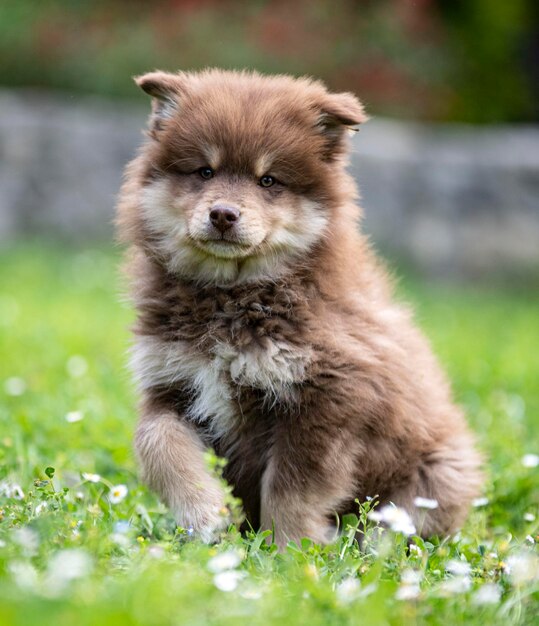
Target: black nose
[224,217]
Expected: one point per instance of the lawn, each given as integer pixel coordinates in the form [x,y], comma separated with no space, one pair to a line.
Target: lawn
[83,542]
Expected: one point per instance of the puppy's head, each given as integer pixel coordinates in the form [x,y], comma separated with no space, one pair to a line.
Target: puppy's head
[241,170]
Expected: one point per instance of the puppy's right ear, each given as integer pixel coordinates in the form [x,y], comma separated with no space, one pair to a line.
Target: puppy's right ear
[166,90]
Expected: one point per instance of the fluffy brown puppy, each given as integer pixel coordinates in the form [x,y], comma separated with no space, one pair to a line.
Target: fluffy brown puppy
[266,327]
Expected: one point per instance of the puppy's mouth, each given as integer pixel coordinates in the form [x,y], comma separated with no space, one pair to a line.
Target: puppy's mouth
[224,248]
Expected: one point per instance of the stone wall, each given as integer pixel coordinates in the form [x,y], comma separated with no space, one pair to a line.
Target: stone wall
[453,200]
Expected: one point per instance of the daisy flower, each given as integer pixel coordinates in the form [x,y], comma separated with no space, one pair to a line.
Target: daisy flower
[91,478]
[530,460]
[225,561]
[74,416]
[117,493]
[396,518]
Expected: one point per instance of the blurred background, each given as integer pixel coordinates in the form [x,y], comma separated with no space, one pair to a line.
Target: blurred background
[448,165]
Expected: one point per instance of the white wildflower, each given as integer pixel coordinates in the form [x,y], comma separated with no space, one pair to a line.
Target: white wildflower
[425,503]
[66,566]
[91,478]
[529,517]
[479,502]
[117,493]
[415,550]
[458,568]
[407,592]
[347,590]
[228,580]
[409,588]
[457,584]
[74,416]
[396,518]
[28,539]
[530,460]
[42,506]
[530,539]
[14,386]
[523,568]
[489,593]
[11,490]
[24,574]
[76,366]
[225,561]
[411,577]
[156,552]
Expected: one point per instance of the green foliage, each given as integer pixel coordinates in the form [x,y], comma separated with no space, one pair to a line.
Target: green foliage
[468,60]
[77,548]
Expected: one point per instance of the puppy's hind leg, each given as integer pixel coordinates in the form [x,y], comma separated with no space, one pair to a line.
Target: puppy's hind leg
[172,457]
[451,477]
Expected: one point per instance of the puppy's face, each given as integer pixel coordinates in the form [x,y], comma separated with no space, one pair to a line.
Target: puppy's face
[241,171]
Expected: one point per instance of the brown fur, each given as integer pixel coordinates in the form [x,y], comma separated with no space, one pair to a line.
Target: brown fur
[276,343]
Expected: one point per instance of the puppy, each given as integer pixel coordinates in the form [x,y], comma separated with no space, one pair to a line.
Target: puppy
[266,327]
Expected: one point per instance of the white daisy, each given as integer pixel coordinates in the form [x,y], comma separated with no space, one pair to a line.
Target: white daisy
[24,574]
[523,568]
[489,593]
[11,490]
[91,478]
[408,592]
[28,539]
[530,460]
[457,584]
[396,518]
[14,386]
[66,566]
[117,493]
[225,561]
[478,502]
[228,580]
[74,416]
[347,590]
[458,568]
[409,588]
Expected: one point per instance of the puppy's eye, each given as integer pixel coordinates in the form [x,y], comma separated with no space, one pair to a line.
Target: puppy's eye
[206,173]
[266,181]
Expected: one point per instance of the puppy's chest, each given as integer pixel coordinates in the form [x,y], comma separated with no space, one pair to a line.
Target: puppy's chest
[224,362]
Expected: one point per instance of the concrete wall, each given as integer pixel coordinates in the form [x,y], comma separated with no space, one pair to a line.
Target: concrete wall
[454,200]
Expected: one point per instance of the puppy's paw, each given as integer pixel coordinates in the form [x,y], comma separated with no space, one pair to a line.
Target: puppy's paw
[215,524]
[205,518]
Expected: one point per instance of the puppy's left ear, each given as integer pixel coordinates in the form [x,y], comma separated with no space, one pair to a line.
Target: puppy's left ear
[340,112]
[166,90]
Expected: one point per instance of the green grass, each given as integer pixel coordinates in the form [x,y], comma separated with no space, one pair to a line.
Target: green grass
[68,556]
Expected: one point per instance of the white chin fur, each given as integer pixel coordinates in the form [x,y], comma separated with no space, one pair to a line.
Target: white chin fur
[226,264]
[224,249]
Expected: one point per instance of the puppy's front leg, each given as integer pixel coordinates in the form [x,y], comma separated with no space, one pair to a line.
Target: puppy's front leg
[172,458]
